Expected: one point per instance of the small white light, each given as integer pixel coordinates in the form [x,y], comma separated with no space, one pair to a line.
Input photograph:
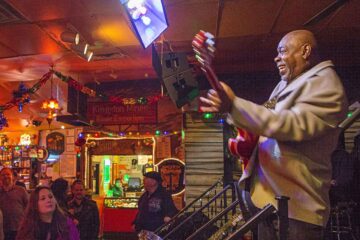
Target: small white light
[131,4]
[62,127]
[149,32]
[89,56]
[77,38]
[146,20]
[86,48]
[136,15]
[143,9]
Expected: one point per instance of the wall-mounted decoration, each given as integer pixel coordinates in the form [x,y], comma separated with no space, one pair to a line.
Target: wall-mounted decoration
[55,143]
[25,139]
[172,173]
[42,154]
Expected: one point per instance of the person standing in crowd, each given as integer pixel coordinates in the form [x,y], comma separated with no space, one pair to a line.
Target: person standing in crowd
[17,181]
[342,174]
[156,206]
[117,188]
[60,188]
[1,221]
[85,211]
[1,226]
[13,201]
[45,220]
[298,132]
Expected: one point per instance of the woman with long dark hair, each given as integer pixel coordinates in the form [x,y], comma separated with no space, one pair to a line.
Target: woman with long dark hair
[44,219]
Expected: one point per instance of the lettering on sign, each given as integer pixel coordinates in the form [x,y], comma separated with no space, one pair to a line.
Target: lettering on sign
[112,113]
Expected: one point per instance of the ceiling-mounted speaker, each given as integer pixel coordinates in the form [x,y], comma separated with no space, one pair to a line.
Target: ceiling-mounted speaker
[176,75]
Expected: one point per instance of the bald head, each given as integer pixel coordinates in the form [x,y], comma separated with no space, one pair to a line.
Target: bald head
[297,52]
[301,37]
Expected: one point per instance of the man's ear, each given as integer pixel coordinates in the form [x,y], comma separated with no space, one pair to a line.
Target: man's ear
[306,51]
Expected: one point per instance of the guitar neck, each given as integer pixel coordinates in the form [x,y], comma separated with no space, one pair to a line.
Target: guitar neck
[212,78]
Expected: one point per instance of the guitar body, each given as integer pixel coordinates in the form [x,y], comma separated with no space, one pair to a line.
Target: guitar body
[203,44]
[243,145]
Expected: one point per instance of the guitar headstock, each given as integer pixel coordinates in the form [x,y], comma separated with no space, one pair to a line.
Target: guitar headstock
[204,47]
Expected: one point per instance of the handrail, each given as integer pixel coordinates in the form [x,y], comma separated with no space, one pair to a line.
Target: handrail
[197,211]
[253,221]
[213,220]
[173,219]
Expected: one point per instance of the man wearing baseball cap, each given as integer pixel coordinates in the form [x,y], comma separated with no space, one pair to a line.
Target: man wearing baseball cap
[156,206]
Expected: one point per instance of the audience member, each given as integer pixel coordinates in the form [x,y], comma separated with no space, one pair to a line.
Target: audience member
[1,226]
[17,181]
[60,188]
[85,211]
[45,220]
[13,201]
[117,188]
[156,206]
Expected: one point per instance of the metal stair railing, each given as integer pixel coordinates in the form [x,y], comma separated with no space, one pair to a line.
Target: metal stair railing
[213,221]
[240,223]
[192,205]
[181,227]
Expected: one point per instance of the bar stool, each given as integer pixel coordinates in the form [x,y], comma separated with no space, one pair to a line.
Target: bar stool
[340,221]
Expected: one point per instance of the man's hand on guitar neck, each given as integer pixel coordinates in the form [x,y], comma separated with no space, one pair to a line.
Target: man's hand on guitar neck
[218,101]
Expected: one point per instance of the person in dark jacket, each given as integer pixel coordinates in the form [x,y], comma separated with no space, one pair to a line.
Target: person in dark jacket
[17,181]
[156,206]
[85,212]
[60,188]
[13,202]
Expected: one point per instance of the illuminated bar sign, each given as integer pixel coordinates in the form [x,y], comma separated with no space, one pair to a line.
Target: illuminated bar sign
[111,113]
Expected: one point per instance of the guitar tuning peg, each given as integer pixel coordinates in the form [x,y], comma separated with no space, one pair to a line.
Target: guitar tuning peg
[200,59]
[202,33]
[197,42]
[199,38]
[197,52]
[210,42]
[208,35]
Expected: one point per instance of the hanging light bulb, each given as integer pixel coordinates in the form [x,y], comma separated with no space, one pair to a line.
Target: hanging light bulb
[52,105]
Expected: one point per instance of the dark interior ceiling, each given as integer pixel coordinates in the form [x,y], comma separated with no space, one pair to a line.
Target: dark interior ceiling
[247,32]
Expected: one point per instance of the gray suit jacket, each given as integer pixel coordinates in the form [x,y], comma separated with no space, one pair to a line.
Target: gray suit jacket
[296,142]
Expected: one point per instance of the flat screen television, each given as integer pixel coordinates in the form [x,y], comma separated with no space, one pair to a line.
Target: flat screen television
[148,19]
[134,183]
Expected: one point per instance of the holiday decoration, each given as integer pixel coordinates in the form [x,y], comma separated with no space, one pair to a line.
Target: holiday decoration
[36,123]
[25,139]
[22,96]
[3,121]
[80,140]
[114,99]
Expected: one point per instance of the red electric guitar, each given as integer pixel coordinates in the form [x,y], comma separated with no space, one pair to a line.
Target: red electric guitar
[204,47]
